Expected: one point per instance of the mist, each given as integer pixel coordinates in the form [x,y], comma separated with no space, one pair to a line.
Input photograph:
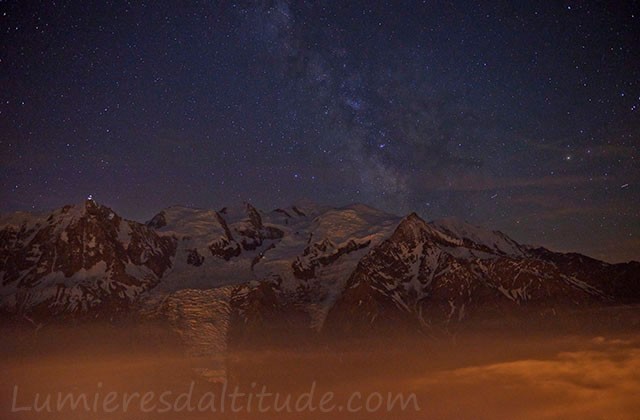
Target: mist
[481,372]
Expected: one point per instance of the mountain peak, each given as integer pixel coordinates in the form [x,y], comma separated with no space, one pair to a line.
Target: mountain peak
[158,221]
[88,207]
[410,228]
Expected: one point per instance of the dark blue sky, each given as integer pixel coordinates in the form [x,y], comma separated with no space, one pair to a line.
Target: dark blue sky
[519,116]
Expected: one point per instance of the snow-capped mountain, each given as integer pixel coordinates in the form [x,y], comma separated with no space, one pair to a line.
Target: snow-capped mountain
[78,259]
[436,273]
[234,270]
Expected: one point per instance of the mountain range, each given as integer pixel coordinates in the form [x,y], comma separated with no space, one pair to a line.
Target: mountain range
[239,271]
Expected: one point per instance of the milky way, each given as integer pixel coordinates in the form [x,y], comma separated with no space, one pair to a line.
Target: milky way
[522,118]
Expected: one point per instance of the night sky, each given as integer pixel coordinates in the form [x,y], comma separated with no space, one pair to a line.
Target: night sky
[518,116]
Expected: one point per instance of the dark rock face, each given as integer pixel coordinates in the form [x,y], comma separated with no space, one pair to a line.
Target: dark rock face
[322,253]
[224,225]
[194,258]
[225,249]
[158,221]
[298,211]
[253,232]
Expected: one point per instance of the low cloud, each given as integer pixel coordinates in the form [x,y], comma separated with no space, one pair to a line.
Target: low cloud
[602,381]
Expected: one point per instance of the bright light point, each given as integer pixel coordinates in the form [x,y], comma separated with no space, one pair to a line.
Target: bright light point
[567,158]
[90,197]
